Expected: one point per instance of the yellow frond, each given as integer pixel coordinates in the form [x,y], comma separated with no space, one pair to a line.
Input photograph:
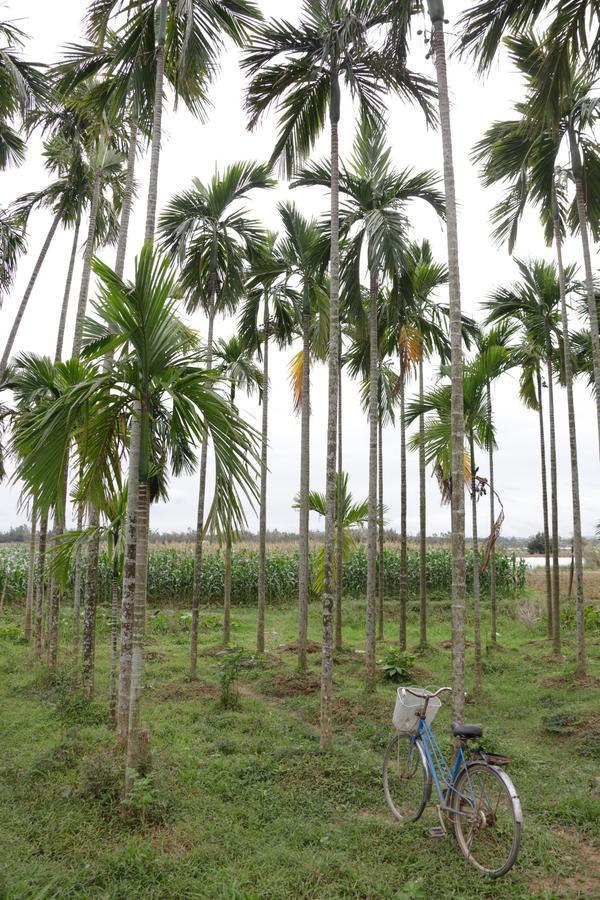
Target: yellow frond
[295,378]
[410,348]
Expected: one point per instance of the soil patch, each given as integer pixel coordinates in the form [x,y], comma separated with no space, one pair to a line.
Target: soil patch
[291,684]
[190,690]
[588,681]
[155,656]
[311,647]
[171,840]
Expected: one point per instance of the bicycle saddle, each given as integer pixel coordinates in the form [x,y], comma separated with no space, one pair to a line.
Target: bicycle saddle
[466,731]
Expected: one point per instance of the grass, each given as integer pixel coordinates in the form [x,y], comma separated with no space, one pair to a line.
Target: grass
[241,803]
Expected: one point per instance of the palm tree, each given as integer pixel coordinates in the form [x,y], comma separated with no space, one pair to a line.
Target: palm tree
[459,589]
[534,304]
[235,363]
[437,438]
[420,279]
[373,220]
[185,40]
[267,313]
[525,152]
[22,87]
[210,230]
[157,361]
[304,248]
[354,515]
[301,69]
[494,337]
[12,245]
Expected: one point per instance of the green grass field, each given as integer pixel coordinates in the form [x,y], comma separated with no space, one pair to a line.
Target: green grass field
[241,803]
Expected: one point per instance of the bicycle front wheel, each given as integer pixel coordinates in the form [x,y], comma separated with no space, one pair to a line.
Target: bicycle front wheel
[487,818]
[406,778]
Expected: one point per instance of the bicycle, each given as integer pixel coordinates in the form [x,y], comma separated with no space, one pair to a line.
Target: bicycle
[476,796]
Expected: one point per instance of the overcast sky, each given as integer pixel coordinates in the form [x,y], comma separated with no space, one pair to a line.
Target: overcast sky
[193,149]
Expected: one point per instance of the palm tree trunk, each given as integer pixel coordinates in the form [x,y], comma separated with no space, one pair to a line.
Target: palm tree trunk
[339,540]
[493,610]
[39,585]
[136,748]
[262,520]
[77,586]
[114,640]
[577,169]
[65,304]
[476,592]
[303,560]
[87,267]
[422,521]
[129,572]
[127,200]
[545,507]
[30,285]
[403,547]
[332,409]
[577,541]
[381,571]
[53,620]
[156,125]
[372,497]
[228,569]
[199,548]
[90,603]
[459,589]
[554,509]
[30,575]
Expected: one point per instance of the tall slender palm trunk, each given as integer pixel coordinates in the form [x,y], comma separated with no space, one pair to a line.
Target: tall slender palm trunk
[67,293]
[372,515]
[493,610]
[30,285]
[577,541]
[422,521]
[129,572]
[459,589]
[303,525]
[544,475]
[577,169]
[90,605]
[30,576]
[127,199]
[77,586]
[156,125]
[114,638]
[39,585]
[262,517]
[339,539]
[332,409]
[554,513]
[227,591]
[381,535]
[199,547]
[476,591]
[87,266]
[136,748]
[403,545]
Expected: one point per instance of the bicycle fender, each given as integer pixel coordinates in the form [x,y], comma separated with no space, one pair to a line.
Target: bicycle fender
[513,794]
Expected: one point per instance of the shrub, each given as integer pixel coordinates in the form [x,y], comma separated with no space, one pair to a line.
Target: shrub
[591,617]
[11,632]
[234,661]
[102,778]
[397,665]
[563,721]
[149,801]
[536,544]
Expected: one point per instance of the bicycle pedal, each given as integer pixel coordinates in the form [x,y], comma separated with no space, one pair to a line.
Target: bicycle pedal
[437,832]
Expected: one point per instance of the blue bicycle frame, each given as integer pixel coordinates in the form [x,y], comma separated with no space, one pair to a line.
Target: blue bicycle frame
[443,778]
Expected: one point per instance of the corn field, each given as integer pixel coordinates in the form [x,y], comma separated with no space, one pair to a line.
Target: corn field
[171,570]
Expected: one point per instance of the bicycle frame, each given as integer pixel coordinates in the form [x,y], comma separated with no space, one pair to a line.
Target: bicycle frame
[443,778]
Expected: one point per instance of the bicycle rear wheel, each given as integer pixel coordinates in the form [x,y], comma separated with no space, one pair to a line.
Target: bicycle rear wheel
[406,778]
[487,818]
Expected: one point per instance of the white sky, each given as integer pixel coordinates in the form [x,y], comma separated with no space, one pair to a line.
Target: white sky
[194,149]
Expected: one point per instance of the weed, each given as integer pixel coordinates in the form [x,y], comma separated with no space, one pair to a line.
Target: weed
[397,665]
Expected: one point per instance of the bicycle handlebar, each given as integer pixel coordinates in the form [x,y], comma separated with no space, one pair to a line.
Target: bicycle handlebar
[429,696]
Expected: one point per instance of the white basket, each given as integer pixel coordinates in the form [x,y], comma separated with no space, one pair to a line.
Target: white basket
[408,707]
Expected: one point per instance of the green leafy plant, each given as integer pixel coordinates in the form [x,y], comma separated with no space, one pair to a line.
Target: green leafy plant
[148,801]
[591,617]
[563,721]
[397,665]
[233,662]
